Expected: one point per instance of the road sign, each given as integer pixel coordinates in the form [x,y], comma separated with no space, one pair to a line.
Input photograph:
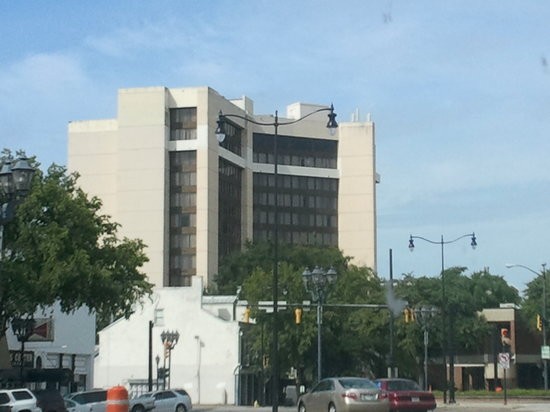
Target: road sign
[504,360]
[545,352]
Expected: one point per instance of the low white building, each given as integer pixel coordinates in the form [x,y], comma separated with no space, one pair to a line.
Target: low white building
[59,341]
[205,360]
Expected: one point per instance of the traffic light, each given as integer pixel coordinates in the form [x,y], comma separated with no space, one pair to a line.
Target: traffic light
[298,315]
[409,315]
[539,323]
[505,340]
[246,315]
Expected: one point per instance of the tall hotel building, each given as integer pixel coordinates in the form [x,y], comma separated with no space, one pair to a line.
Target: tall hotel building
[161,174]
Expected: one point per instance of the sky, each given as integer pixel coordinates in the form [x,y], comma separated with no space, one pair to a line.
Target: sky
[459,92]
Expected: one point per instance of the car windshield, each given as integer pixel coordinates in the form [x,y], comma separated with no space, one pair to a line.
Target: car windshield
[357,383]
[403,386]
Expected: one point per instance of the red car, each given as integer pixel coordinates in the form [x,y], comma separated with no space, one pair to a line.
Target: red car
[406,395]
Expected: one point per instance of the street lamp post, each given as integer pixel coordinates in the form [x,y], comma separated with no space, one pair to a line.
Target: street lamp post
[220,135]
[317,283]
[544,318]
[424,315]
[169,340]
[23,329]
[448,350]
[15,183]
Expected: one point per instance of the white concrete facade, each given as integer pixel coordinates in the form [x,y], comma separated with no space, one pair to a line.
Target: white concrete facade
[204,361]
[124,161]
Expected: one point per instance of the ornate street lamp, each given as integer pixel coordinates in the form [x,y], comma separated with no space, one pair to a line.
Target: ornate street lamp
[317,283]
[448,351]
[542,274]
[169,341]
[15,183]
[220,135]
[22,329]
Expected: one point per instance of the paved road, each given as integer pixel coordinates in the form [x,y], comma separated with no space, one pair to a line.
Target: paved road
[469,406]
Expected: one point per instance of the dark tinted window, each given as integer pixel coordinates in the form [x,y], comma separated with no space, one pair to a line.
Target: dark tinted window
[181,392]
[324,386]
[4,398]
[358,384]
[403,385]
[20,395]
[90,397]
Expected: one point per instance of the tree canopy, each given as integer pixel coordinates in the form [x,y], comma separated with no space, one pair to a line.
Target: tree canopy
[60,248]
[534,300]
[355,337]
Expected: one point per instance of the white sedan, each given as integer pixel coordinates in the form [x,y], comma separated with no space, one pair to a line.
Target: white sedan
[170,400]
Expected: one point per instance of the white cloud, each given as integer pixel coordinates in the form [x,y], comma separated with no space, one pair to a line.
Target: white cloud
[43,74]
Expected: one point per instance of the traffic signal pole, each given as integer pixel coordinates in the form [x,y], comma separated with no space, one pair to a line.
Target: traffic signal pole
[544,322]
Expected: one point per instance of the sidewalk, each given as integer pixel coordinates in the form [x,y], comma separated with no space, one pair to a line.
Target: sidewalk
[519,405]
[470,405]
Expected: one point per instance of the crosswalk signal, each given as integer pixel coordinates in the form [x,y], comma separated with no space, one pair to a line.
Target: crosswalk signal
[539,323]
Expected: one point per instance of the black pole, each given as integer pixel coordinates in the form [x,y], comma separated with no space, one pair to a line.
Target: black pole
[275,348]
[444,318]
[544,320]
[150,360]
[495,357]
[22,361]
[391,360]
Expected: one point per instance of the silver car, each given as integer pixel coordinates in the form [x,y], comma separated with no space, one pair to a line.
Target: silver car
[96,401]
[346,394]
[170,400]
[21,399]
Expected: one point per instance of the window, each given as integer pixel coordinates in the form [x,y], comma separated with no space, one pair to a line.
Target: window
[229,208]
[183,123]
[159,317]
[182,218]
[295,151]
[233,136]
[21,395]
[307,209]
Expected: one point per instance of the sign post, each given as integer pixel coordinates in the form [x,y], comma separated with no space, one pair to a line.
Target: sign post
[504,363]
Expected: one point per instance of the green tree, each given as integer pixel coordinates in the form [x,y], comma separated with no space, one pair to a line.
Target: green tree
[237,267]
[465,296]
[354,339]
[534,299]
[60,248]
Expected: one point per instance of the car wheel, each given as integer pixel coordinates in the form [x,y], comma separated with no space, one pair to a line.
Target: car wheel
[181,408]
[332,408]
[138,408]
[302,408]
